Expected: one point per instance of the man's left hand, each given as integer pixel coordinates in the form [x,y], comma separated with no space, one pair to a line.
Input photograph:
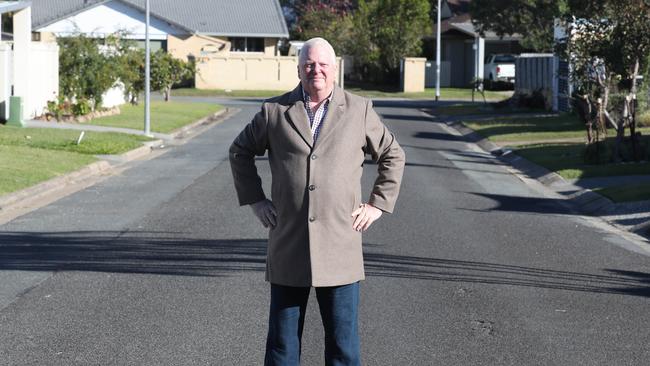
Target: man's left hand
[364,216]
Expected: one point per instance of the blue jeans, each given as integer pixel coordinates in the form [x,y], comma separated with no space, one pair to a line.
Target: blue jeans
[338,309]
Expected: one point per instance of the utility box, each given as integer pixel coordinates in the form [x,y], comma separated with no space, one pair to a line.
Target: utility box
[412,74]
[15,112]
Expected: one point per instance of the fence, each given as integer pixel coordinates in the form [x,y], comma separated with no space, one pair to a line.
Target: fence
[251,73]
[42,79]
[539,73]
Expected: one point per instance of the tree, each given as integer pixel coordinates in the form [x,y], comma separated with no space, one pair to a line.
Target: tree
[384,32]
[129,64]
[295,12]
[608,51]
[533,19]
[331,20]
[167,71]
[85,72]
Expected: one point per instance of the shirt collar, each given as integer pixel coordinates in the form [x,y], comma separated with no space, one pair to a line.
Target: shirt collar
[306,98]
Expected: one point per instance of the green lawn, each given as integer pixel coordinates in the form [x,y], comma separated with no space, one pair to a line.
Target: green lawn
[519,129]
[567,159]
[165,116]
[429,93]
[538,129]
[93,143]
[478,108]
[192,92]
[628,193]
[24,166]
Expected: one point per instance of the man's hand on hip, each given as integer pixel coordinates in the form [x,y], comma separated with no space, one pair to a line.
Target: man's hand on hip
[265,212]
[364,216]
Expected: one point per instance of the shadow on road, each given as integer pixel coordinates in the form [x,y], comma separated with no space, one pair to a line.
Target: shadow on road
[397,266]
[161,253]
[524,204]
[134,252]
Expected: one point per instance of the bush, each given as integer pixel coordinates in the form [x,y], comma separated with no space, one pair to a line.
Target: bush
[81,108]
[536,100]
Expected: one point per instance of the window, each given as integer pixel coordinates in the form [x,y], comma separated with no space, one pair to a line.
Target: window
[246,44]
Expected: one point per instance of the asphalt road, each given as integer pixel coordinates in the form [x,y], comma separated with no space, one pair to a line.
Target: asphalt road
[159,266]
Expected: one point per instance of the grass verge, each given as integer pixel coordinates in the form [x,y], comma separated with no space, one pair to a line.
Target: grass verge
[567,160]
[93,143]
[429,93]
[24,166]
[165,116]
[628,193]
[193,92]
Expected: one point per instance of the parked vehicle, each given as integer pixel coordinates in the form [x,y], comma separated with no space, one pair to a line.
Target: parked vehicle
[295,47]
[499,67]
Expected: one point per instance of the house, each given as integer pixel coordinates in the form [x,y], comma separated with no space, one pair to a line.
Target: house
[235,42]
[185,29]
[29,71]
[463,49]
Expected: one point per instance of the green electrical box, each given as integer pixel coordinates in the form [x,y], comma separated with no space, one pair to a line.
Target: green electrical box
[15,112]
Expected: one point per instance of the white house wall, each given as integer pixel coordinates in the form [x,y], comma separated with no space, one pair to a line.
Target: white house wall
[111,17]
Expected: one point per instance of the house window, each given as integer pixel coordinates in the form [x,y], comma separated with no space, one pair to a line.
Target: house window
[246,44]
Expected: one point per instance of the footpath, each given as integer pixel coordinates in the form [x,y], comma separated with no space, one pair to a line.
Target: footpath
[26,200]
[630,216]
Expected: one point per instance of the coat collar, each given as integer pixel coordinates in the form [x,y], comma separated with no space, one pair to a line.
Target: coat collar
[300,121]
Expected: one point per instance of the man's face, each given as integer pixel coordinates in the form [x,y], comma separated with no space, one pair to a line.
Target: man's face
[317,73]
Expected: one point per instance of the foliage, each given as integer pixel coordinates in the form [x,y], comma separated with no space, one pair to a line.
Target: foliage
[84,70]
[384,32]
[330,20]
[82,107]
[167,71]
[129,61]
[302,15]
[608,50]
[533,19]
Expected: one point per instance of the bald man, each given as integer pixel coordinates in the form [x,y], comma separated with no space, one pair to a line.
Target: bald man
[317,138]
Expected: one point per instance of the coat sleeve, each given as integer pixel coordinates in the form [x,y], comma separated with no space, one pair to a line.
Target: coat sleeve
[390,158]
[252,141]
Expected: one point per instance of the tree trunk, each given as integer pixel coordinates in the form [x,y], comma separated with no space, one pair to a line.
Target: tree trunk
[632,112]
[168,93]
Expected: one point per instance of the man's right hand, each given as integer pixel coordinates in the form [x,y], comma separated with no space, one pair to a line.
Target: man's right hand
[265,212]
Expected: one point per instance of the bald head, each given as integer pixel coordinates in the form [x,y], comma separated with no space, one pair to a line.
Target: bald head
[316,43]
[317,68]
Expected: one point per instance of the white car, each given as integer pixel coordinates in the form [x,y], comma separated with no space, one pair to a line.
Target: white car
[500,67]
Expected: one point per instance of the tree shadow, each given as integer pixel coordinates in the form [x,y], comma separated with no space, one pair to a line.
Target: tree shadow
[164,254]
[403,117]
[525,204]
[437,136]
[446,270]
[138,252]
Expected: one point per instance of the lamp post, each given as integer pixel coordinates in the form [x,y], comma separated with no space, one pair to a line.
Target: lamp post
[438,42]
[147,78]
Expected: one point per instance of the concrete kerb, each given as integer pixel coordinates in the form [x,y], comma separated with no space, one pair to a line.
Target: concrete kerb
[583,200]
[22,201]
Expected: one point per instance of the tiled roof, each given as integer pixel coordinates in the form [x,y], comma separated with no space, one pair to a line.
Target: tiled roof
[252,18]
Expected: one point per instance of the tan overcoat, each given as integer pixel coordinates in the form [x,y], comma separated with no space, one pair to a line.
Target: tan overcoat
[316,186]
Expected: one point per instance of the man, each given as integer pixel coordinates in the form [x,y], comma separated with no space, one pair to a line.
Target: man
[316,137]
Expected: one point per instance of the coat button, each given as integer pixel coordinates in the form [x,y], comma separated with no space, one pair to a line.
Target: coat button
[312,219]
[314,157]
[312,187]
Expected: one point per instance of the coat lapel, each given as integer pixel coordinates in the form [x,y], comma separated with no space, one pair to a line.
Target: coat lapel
[297,116]
[333,118]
